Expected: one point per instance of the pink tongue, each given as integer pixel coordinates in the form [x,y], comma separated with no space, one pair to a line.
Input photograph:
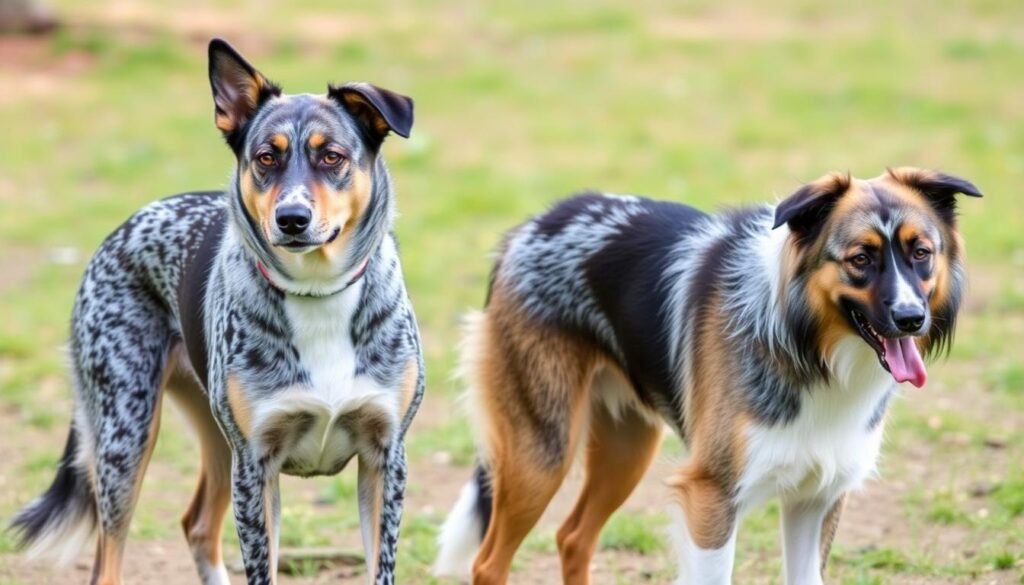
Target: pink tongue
[905,361]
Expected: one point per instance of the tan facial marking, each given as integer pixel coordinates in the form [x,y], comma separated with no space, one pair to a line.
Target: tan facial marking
[870,238]
[344,209]
[908,233]
[259,205]
[938,285]
[316,140]
[280,142]
[824,289]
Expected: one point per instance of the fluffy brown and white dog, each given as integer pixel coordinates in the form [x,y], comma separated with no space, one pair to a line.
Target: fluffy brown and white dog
[770,338]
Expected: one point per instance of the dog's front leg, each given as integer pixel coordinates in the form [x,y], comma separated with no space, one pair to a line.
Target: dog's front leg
[802,539]
[257,503]
[381,499]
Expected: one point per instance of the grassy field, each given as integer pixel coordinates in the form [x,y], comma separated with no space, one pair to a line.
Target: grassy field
[712,104]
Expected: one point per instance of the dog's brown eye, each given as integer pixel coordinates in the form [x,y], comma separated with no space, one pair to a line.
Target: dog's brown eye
[266,159]
[922,254]
[331,158]
[860,260]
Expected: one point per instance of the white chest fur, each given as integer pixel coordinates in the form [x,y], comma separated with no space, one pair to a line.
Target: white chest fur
[307,421]
[830,447]
[321,332]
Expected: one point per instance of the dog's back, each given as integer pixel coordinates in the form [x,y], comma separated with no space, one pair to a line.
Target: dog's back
[606,267]
[124,319]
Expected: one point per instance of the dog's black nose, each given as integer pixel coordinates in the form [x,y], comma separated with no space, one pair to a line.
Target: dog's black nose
[293,219]
[908,319]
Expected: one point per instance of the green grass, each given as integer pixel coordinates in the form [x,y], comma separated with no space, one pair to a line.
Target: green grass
[634,533]
[518,104]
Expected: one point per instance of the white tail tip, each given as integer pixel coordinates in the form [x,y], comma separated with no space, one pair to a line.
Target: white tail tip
[460,536]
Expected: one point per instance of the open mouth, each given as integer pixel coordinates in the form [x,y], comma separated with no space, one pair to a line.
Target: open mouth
[898,355]
[874,339]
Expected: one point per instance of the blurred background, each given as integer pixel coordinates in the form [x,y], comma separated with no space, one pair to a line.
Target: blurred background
[517,104]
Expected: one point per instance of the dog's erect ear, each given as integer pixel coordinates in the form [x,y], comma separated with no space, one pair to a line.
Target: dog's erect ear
[379,111]
[939,189]
[238,90]
[807,208]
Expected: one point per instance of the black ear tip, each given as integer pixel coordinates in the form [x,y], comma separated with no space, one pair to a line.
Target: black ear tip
[962,186]
[404,128]
[784,210]
[221,48]
[972,191]
[218,45]
[782,215]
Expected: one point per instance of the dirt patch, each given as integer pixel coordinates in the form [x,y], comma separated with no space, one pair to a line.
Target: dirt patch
[30,70]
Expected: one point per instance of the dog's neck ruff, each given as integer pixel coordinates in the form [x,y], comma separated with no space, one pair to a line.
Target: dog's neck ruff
[355,278]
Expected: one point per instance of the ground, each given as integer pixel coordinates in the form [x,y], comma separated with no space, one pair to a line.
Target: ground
[712,104]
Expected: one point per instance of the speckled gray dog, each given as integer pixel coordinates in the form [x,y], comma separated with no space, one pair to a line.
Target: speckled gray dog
[276,314]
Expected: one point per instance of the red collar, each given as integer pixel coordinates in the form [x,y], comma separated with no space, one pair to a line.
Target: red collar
[359,274]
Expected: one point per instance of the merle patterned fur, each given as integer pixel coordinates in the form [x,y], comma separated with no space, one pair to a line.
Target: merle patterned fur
[177,287]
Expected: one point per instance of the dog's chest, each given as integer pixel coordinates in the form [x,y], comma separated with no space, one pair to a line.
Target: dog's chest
[316,428]
[322,336]
[833,443]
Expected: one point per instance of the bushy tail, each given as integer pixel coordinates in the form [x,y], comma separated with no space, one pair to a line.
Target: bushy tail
[61,521]
[465,527]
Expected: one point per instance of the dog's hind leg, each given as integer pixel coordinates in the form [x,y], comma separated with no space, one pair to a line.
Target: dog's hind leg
[203,521]
[121,354]
[619,450]
[532,386]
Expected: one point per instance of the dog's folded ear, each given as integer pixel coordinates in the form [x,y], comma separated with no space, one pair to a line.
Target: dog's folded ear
[379,111]
[939,189]
[238,91]
[807,208]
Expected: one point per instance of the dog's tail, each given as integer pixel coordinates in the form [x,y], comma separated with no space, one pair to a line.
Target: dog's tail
[59,523]
[465,527]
